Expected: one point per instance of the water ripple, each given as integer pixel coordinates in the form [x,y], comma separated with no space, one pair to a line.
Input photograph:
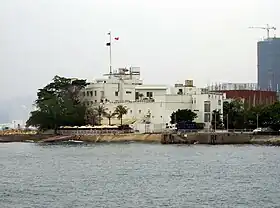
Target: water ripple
[138,175]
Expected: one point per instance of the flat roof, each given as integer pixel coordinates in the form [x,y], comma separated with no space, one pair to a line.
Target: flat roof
[155,87]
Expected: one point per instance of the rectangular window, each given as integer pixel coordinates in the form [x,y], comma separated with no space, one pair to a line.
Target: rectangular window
[137,96]
[95,93]
[91,93]
[180,92]
[206,117]
[128,92]
[219,102]
[149,94]
[116,93]
[102,94]
[87,93]
[207,106]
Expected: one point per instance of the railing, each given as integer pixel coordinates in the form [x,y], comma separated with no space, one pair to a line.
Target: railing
[228,130]
[93,132]
[132,101]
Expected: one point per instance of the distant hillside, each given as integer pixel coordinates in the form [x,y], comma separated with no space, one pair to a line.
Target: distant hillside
[16,108]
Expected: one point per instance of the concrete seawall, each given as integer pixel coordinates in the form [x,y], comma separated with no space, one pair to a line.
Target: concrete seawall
[220,139]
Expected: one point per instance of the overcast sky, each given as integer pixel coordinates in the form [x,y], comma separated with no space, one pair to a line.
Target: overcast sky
[208,41]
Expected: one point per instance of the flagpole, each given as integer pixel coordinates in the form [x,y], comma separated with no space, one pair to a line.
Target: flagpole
[110,53]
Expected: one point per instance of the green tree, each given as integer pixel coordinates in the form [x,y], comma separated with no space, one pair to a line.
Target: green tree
[120,111]
[234,114]
[257,117]
[110,115]
[271,114]
[91,117]
[216,121]
[101,111]
[58,104]
[182,115]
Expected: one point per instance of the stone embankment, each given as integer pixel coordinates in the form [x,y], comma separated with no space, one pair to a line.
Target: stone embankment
[167,138]
[22,138]
[149,138]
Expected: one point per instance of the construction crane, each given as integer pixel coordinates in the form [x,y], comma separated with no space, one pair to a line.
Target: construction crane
[267,28]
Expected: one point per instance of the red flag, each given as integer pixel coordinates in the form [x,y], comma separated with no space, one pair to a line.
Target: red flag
[116,38]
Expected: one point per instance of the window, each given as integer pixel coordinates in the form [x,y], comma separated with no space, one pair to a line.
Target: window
[102,94]
[180,92]
[149,94]
[116,93]
[91,93]
[87,93]
[95,101]
[95,93]
[219,102]
[207,106]
[91,102]
[207,117]
[137,96]
[139,111]
[131,111]
[128,92]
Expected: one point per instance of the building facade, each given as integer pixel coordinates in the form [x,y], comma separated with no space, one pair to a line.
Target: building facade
[252,97]
[150,103]
[269,64]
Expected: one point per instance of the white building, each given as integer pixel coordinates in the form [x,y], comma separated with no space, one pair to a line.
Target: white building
[15,124]
[150,102]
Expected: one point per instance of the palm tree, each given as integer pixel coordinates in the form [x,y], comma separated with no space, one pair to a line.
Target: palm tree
[120,111]
[110,115]
[100,110]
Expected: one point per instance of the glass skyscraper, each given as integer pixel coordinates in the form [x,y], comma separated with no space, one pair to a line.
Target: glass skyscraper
[269,64]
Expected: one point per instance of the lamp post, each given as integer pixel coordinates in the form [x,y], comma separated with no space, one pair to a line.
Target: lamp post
[257,120]
[215,117]
[227,122]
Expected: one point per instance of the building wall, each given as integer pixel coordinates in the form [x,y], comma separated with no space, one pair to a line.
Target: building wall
[160,101]
[253,97]
[269,64]
[160,111]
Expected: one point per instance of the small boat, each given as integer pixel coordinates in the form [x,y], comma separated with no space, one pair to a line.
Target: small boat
[74,141]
